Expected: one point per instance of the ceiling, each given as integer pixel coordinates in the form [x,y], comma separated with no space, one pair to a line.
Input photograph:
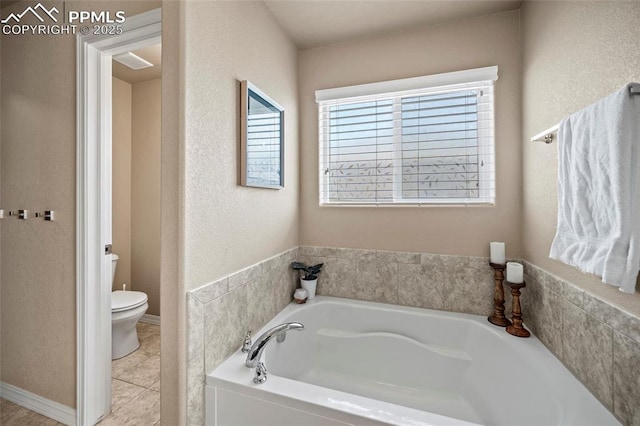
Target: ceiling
[322,22]
[152,54]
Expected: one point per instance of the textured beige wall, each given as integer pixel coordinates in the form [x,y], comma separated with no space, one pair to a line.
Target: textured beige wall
[145,191]
[121,181]
[574,53]
[136,187]
[472,43]
[227,226]
[172,322]
[38,173]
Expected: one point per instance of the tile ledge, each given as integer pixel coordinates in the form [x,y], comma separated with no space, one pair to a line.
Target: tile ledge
[588,293]
[194,291]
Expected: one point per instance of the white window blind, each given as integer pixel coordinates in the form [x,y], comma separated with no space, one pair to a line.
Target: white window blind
[421,145]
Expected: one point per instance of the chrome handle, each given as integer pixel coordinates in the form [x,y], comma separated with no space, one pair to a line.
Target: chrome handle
[261,374]
[246,346]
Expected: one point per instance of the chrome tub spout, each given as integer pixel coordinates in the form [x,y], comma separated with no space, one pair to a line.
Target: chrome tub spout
[255,353]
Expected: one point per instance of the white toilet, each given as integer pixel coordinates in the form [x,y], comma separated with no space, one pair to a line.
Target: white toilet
[127,307]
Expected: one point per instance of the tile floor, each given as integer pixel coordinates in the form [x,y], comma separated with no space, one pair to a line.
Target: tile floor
[135,383]
[15,415]
[135,389]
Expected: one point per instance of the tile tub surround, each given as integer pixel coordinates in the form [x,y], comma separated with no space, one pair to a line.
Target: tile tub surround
[451,283]
[220,313]
[599,343]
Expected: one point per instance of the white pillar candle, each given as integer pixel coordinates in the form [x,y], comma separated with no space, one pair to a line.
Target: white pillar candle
[515,273]
[497,253]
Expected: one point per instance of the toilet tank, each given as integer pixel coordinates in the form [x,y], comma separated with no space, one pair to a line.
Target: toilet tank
[114,263]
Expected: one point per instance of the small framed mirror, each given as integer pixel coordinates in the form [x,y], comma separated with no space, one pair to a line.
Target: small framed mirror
[262,139]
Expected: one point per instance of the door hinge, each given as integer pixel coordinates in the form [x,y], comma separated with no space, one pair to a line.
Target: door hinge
[108,249]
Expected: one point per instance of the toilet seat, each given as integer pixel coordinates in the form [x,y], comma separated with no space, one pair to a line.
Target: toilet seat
[126,300]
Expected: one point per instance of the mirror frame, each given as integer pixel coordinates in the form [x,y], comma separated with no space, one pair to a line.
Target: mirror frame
[246,90]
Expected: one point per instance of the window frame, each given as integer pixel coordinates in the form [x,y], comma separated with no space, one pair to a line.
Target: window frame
[476,79]
[248,91]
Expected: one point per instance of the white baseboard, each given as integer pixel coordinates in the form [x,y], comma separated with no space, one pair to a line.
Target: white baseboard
[150,319]
[31,401]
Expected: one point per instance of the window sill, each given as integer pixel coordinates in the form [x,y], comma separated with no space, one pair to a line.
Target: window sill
[405,205]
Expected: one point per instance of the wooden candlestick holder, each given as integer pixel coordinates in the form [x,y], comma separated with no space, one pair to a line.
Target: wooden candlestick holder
[498,318]
[516,328]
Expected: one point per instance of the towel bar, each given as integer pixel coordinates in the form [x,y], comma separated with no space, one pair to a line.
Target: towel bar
[549,135]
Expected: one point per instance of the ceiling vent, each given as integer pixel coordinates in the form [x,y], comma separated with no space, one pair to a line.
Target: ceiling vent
[132,61]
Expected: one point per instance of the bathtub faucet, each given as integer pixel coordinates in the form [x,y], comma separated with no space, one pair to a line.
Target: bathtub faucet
[255,353]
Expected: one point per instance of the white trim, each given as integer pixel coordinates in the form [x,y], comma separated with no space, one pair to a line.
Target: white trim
[150,319]
[414,83]
[93,205]
[51,409]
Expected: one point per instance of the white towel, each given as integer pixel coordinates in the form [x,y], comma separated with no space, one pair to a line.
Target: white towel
[599,190]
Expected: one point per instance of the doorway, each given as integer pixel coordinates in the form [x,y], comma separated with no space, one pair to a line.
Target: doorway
[94,209]
[136,129]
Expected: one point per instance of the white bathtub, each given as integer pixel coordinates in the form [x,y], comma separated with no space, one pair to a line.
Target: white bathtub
[366,363]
